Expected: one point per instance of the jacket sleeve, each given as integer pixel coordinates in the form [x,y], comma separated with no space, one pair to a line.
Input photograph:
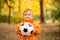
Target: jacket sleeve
[37,28]
[17,28]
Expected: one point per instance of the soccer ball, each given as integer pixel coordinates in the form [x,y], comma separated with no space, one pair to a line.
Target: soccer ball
[26,29]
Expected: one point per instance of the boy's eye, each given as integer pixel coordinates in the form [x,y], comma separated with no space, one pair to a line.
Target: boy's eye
[22,24]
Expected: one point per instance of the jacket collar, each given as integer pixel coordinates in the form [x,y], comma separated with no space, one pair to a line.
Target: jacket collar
[31,21]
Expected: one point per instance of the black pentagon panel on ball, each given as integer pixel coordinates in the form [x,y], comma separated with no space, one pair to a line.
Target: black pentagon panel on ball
[29,25]
[25,30]
[22,24]
[31,31]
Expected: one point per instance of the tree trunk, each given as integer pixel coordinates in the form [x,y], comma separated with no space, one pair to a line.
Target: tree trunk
[0,11]
[19,6]
[0,7]
[9,15]
[41,14]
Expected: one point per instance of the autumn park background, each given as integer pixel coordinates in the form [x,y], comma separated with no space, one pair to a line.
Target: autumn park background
[45,12]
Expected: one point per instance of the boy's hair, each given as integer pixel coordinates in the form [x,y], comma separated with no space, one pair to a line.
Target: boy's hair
[27,10]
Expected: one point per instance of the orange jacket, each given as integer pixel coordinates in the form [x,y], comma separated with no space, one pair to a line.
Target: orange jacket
[33,36]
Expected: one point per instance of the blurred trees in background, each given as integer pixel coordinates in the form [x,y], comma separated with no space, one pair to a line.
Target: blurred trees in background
[55,14]
[49,9]
[1,5]
[9,5]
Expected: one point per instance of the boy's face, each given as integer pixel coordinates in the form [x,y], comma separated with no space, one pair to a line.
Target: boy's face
[27,15]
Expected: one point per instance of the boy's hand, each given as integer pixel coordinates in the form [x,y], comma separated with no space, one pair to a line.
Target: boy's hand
[19,31]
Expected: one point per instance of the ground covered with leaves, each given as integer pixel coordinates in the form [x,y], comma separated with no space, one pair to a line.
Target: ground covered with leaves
[50,31]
